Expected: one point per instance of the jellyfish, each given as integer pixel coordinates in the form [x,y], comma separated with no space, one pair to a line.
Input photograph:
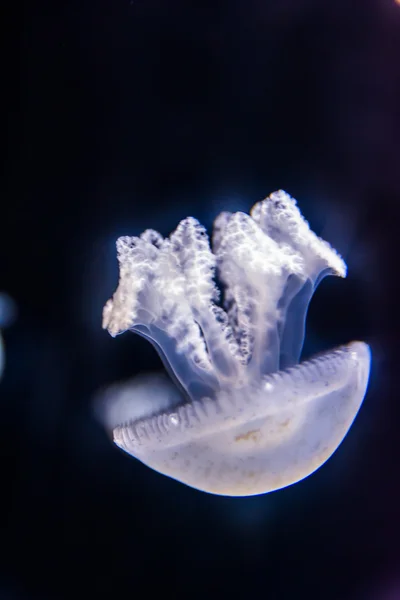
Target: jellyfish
[239,414]
[7,316]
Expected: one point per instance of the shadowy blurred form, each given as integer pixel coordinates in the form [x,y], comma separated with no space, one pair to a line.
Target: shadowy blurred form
[8,313]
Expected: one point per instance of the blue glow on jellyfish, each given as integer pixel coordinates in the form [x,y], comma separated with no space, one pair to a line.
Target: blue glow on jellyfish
[7,316]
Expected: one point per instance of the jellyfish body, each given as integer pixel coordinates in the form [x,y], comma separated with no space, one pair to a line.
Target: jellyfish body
[7,316]
[245,417]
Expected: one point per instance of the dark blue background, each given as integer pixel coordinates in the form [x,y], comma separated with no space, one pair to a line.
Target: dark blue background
[123,115]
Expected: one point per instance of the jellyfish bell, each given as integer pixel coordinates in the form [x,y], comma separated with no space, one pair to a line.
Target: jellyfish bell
[246,417]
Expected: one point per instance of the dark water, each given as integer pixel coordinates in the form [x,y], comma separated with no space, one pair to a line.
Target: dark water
[123,115]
